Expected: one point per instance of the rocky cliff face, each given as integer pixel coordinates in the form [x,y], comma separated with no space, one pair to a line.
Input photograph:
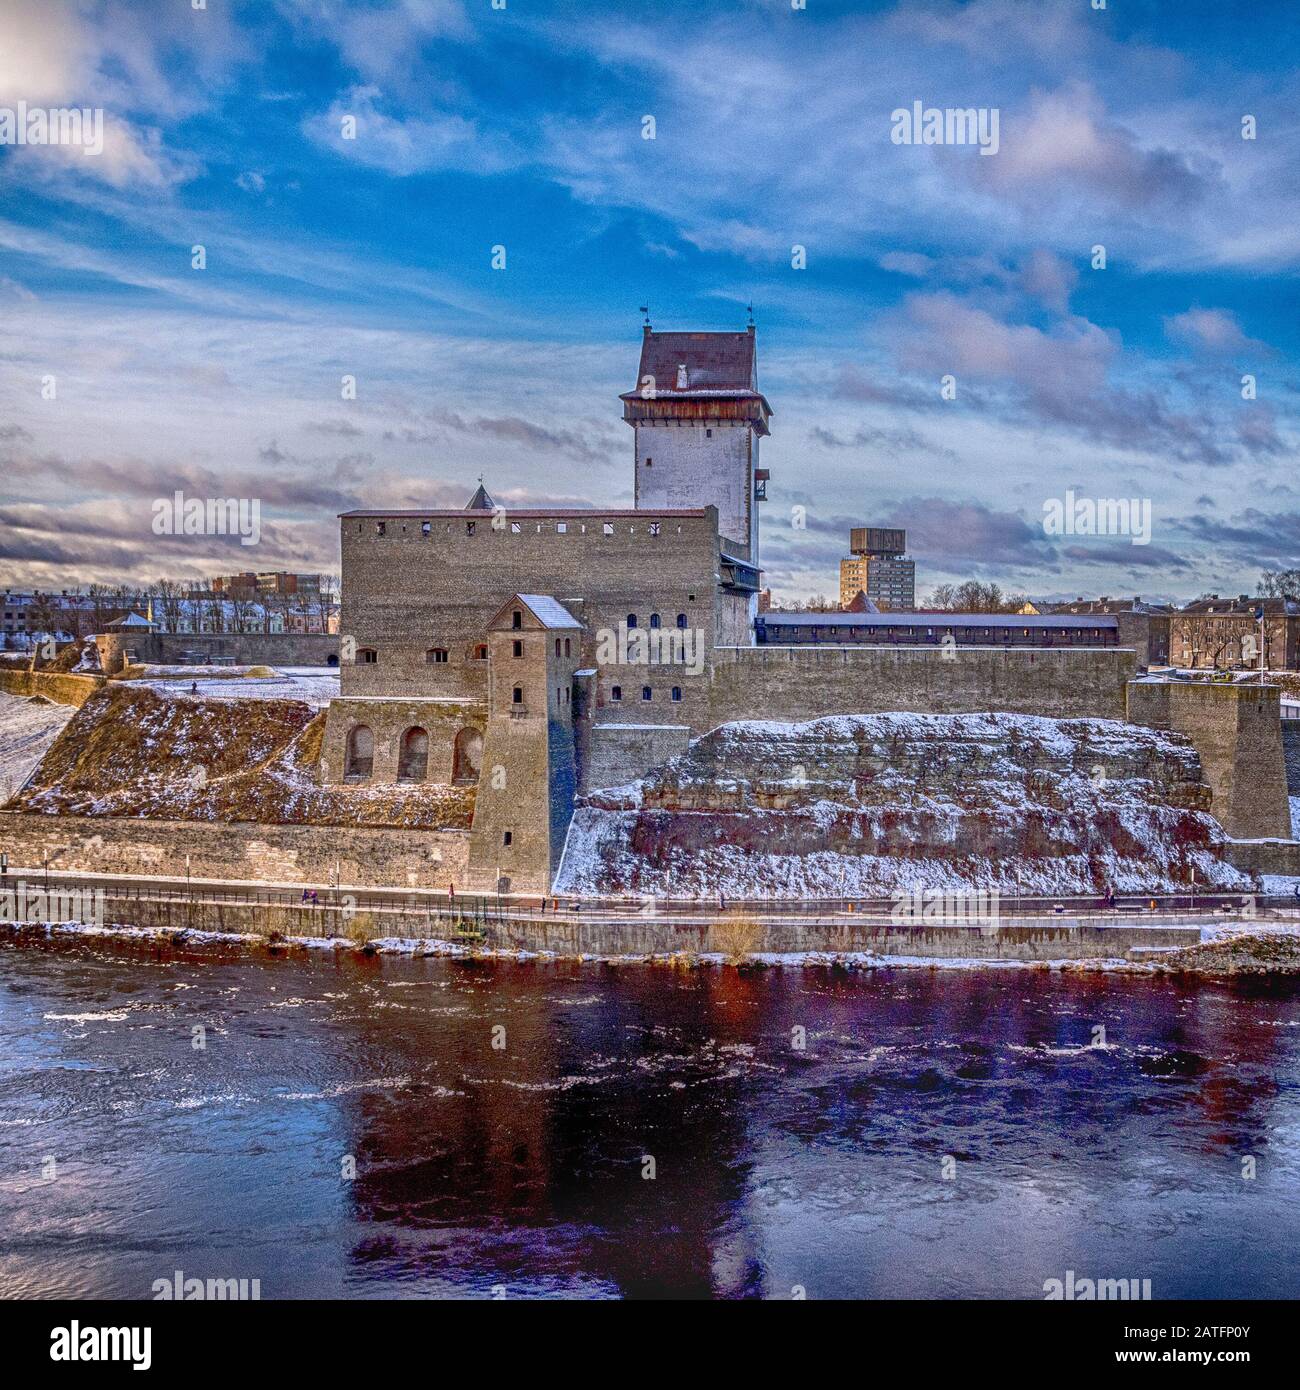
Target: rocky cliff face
[868,804]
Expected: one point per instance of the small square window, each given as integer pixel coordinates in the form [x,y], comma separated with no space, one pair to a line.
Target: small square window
[607,528]
[561,527]
[469,527]
[514,528]
[654,528]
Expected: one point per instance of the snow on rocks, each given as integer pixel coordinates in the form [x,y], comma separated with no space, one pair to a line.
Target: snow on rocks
[870,804]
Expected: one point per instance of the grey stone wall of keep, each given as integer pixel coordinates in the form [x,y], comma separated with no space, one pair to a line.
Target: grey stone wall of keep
[407,594]
[1291,754]
[619,753]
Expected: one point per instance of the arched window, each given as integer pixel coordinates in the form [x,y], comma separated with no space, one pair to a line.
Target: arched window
[436,656]
[654,619]
[677,693]
[413,759]
[557,646]
[681,620]
[616,693]
[467,753]
[568,647]
[361,754]
[631,620]
[332,659]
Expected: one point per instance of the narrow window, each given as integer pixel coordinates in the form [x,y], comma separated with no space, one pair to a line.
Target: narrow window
[681,620]
[649,463]
[469,527]
[518,649]
[508,837]
[616,693]
[517,695]
[631,620]
[381,528]
[567,644]
[557,646]
[677,694]
[654,528]
[516,619]
[647,693]
[654,620]
[426,527]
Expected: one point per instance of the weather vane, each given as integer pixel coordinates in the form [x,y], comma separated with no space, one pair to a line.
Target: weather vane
[749,309]
[646,312]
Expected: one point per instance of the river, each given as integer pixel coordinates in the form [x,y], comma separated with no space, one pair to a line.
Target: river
[537,1129]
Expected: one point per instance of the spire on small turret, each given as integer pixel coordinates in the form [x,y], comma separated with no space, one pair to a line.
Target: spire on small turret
[482,499]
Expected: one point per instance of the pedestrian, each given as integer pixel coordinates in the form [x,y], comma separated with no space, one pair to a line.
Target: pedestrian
[194,687]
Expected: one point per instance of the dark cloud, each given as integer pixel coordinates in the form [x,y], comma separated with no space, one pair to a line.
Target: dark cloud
[598,444]
[1124,554]
[890,441]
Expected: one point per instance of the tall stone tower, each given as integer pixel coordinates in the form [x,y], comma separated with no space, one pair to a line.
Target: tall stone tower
[698,416]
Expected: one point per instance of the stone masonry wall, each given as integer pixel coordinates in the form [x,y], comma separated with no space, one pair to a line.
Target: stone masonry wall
[1291,754]
[620,753]
[1237,732]
[407,593]
[794,683]
[443,720]
[272,853]
[62,689]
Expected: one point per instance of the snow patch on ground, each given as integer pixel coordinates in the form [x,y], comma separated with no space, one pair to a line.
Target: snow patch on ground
[314,685]
[27,728]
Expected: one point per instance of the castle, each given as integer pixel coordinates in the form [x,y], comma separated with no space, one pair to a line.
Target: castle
[536,654]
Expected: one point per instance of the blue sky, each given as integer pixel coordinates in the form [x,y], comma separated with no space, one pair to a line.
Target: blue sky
[523,127]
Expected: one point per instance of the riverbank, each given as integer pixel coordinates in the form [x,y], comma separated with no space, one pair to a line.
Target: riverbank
[1221,951]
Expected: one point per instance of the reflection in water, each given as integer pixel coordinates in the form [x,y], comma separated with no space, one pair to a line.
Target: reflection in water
[638,1132]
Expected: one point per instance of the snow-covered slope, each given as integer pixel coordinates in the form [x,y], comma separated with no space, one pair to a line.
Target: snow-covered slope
[861,804]
[27,728]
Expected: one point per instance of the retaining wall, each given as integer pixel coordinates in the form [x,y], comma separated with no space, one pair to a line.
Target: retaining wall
[269,853]
[60,687]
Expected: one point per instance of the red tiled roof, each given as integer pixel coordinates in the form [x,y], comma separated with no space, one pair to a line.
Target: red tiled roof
[717,364]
